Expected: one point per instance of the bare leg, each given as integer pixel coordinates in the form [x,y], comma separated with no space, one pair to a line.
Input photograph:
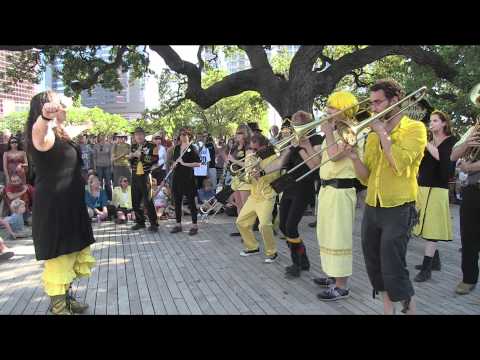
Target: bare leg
[341,282]
[430,248]
[388,305]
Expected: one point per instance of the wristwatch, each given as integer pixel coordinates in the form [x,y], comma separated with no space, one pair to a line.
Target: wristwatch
[45,118]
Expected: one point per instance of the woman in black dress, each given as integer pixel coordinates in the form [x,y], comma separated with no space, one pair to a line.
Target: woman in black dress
[62,231]
[183,181]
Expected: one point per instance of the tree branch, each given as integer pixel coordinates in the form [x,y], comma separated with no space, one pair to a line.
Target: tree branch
[199,57]
[303,61]
[326,81]
[257,56]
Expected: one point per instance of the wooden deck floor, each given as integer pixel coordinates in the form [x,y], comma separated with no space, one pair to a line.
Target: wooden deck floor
[142,273]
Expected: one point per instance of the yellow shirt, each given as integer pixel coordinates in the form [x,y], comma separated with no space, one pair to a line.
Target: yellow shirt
[395,187]
[122,199]
[341,169]
[261,189]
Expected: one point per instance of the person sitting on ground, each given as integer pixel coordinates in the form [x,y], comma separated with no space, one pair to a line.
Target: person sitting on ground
[96,200]
[17,189]
[206,193]
[5,252]
[14,223]
[122,201]
[161,195]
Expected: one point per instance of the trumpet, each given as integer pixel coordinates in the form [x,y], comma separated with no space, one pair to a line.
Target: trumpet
[352,134]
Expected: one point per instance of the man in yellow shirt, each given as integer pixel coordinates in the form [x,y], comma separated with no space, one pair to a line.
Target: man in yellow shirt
[393,152]
[260,203]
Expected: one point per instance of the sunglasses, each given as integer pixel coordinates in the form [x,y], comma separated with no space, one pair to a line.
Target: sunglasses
[183,134]
[240,133]
[13,142]
[124,181]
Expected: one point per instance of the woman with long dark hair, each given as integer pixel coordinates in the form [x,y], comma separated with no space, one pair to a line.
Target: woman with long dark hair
[62,231]
[15,160]
[433,204]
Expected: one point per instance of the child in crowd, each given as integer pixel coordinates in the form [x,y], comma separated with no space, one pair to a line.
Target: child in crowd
[161,196]
[14,223]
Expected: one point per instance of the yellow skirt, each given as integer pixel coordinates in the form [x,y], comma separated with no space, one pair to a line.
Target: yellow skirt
[59,272]
[335,219]
[434,213]
[238,185]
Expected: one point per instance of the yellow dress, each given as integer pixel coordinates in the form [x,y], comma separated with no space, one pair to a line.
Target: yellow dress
[434,214]
[336,216]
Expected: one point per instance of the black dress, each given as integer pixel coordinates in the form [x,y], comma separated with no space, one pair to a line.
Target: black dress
[60,219]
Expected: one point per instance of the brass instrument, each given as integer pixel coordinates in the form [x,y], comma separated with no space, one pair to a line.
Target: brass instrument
[306,130]
[352,134]
[473,153]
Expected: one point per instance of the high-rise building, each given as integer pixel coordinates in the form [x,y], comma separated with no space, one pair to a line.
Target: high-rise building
[18,99]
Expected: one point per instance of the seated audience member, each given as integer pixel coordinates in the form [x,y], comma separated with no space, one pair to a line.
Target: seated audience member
[96,200]
[17,189]
[122,201]
[14,223]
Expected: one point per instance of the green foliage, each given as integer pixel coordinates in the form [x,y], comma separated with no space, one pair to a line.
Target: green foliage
[14,121]
[220,119]
[103,122]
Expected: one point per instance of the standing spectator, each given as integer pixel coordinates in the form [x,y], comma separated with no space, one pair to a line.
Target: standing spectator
[166,143]
[3,149]
[121,166]
[87,154]
[15,160]
[220,158]
[201,172]
[212,170]
[160,168]
[103,163]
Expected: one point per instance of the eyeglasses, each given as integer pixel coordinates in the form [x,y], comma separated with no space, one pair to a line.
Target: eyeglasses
[13,142]
[124,181]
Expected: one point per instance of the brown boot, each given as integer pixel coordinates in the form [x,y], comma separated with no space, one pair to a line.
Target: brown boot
[59,305]
[75,306]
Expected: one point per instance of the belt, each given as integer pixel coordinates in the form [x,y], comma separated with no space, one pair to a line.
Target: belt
[339,183]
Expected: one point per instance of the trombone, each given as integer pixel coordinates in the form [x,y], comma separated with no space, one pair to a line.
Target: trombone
[352,134]
[299,131]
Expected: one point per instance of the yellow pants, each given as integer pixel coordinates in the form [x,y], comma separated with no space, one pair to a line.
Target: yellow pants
[59,272]
[263,209]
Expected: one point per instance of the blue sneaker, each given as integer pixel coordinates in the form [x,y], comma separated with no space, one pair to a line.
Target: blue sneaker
[333,293]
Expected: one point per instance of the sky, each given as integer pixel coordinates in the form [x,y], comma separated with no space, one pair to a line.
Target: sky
[186,52]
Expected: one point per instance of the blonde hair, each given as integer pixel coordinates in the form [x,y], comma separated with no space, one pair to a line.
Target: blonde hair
[92,179]
[15,205]
[342,100]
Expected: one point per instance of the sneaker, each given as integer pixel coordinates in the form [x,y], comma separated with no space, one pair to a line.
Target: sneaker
[193,231]
[464,289]
[271,259]
[176,229]
[138,227]
[6,255]
[333,293]
[249,252]
[324,282]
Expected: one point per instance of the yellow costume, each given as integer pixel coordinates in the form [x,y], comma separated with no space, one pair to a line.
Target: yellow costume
[260,203]
[336,216]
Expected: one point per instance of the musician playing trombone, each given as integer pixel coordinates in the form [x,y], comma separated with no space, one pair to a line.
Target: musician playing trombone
[392,156]
[260,203]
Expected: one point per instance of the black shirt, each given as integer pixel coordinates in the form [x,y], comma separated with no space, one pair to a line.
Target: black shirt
[147,157]
[211,149]
[305,187]
[183,175]
[437,173]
